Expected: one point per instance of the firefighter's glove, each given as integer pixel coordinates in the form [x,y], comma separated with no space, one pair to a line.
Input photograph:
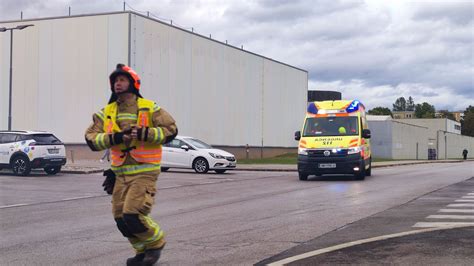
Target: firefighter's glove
[118,136]
[109,181]
[142,133]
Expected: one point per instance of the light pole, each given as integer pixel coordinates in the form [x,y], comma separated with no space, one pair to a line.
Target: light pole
[19,27]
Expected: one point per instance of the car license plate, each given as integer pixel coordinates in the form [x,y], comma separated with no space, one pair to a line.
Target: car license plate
[53,151]
[232,164]
[327,165]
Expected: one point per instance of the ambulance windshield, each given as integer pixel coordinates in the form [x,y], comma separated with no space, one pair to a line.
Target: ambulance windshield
[331,126]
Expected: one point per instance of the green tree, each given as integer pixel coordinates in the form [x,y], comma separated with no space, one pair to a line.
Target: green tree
[446,114]
[410,104]
[425,110]
[380,111]
[467,123]
[400,104]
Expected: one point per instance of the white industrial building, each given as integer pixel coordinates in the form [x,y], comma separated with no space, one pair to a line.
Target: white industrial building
[413,138]
[217,92]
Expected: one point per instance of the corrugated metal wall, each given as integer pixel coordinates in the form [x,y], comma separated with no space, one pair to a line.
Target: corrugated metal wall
[216,92]
[60,70]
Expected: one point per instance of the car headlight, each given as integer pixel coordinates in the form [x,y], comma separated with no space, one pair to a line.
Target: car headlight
[302,151]
[217,156]
[353,150]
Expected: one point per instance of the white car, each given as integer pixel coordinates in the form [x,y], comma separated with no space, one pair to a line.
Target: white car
[189,152]
[22,151]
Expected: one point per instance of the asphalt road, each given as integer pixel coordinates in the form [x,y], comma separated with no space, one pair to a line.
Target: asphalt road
[239,218]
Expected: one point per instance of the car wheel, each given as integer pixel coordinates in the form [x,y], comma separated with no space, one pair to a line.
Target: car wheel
[52,170]
[220,171]
[200,165]
[303,176]
[164,169]
[21,165]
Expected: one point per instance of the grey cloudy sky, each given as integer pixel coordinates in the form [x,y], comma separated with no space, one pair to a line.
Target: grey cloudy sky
[373,50]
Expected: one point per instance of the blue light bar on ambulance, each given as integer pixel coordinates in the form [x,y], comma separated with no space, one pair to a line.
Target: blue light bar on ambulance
[354,106]
[312,108]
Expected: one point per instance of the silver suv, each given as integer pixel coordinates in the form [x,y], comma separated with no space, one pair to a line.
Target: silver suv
[22,151]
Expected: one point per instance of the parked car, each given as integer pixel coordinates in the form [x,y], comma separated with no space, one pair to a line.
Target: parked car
[192,153]
[22,151]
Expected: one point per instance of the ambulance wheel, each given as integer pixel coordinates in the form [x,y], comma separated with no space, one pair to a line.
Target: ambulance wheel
[368,172]
[303,176]
[52,170]
[20,165]
[200,165]
[361,174]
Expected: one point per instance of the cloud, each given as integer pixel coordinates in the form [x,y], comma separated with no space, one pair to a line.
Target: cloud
[385,95]
[456,12]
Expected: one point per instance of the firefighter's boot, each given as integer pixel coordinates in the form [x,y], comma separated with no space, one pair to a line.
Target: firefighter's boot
[151,256]
[137,260]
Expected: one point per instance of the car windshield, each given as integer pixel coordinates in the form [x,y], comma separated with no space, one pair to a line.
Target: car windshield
[198,143]
[45,138]
[331,126]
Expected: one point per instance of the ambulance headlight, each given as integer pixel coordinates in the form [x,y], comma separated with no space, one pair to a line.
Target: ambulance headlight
[302,151]
[353,150]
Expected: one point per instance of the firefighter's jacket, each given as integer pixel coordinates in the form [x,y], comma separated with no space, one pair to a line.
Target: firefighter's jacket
[136,156]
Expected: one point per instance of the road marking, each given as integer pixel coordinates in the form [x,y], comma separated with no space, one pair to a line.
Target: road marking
[464,200]
[442,224]
[48,202]
[362,241]
[456,210]
[470,194]
[468,197]
[461,205]
[85,197]
[437,216]
[11,206]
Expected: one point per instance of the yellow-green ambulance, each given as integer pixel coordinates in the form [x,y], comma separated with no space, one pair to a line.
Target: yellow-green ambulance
[335,139]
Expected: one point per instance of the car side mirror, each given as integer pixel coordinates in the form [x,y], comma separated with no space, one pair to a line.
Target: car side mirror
[297,135]
[366,133]
[185,147]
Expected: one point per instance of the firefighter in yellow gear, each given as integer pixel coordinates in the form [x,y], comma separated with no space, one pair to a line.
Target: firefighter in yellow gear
[133,128]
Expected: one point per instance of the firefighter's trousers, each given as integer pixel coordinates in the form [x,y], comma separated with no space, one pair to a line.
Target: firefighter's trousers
[132,200]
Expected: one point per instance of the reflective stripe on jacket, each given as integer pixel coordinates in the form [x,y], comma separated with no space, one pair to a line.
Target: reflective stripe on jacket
[141,151]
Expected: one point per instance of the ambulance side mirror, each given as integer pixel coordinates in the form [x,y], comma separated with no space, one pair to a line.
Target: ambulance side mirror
[297,135]
[366,133]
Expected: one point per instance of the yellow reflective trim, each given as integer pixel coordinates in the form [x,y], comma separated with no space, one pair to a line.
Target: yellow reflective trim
[100,115]
[126,116]
[155,134]
[135,169]
[99,140]
[156,108]
[139,246]
[157,234]
[159,135]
